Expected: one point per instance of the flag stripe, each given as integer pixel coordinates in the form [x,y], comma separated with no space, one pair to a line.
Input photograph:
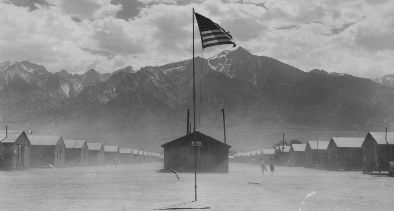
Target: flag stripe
[217,43]
[219,39]
[214,33]
[219,36]
[211,31]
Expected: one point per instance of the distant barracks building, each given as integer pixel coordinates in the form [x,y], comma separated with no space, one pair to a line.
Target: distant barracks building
[125,154]
[14,150]
[111,155]
[345,153]
[316,153]
[378,151]
[47,150]
[282,154]
[212,155]
[268,155]
[297,155]
[96,154]
[76,152]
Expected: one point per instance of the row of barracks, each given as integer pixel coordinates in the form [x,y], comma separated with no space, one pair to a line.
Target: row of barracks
[374,152]
[19,150]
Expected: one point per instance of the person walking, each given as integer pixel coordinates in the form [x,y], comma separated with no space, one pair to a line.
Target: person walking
[272,168]
[263,168]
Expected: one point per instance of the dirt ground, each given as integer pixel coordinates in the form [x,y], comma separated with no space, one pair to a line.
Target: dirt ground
[141,187]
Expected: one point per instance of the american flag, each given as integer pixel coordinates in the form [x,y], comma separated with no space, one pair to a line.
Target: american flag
[211,33]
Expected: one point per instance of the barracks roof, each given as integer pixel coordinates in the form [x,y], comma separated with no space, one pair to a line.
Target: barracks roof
[322,144]
[348,142]
[268,151]
[199,137]
[125,150]
[94,146]
[13,136]
[380,137]
[74,143]
[298,147]
[46,140]
[111,148]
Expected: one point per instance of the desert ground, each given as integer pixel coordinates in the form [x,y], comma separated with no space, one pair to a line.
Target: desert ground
[142,187]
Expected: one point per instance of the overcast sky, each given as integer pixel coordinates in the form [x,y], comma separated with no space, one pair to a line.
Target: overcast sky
[349,36]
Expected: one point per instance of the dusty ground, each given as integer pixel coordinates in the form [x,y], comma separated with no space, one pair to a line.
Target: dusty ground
[140,187]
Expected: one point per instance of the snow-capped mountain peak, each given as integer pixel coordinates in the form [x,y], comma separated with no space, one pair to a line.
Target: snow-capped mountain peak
[5,64]
[223,61]
[386,80]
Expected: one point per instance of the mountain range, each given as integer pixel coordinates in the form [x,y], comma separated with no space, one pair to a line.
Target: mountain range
[256,91]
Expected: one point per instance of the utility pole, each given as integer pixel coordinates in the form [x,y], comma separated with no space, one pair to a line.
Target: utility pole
[318,158]
[224,126]
[187,121]
[385,137]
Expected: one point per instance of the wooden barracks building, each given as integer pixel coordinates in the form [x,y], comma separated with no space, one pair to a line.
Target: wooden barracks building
[95,154]
[125,154]
[47,151]
[282,154]
[316,153]
[76,152]
[14,150]
[345,153]
[212,155]
[297,155]
[378,151]
[111,154]
[268,155]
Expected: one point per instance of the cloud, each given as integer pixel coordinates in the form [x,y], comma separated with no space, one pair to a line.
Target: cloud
[352,36]
[373,40]
[349,36]
[80,8]
[118,37]
[130,8]
[376,33]
[377,1]
[339,29]
[88,9]
[158,1]
[31,4]
[244,21]
[45,36]
[99,52]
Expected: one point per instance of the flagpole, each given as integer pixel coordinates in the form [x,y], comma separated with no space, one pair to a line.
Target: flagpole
[194,85]
[200,89]
[194,122]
